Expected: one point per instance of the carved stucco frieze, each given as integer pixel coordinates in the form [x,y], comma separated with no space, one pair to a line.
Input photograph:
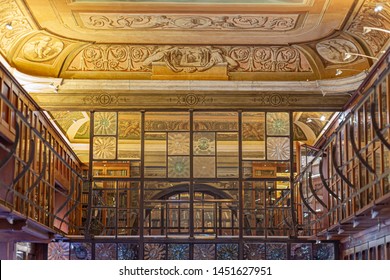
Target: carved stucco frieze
[375,40]
[10,14]
[333,50]
[188,22]
[189,59]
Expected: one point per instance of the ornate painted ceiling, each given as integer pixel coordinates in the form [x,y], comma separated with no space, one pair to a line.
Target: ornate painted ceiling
[196,40]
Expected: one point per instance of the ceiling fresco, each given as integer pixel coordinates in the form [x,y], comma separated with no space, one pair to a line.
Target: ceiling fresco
[201,40]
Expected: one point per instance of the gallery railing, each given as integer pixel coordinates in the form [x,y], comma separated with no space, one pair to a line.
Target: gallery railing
[351,170]
[40,179]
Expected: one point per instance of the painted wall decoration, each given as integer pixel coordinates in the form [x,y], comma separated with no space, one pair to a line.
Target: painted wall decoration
[132,58]
[110,21]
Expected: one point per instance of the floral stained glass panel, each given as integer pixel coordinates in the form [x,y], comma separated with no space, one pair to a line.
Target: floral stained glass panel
[155,251]
[80,251]
[127,251]
[254,251]
[301,251]
[204,167]
[323,251]
[105,123]
[278,124]
[204,143]
[227,251]
[178,167]
[278,148]
[105,251]
[178,251]
[178,143]
[58,251]
[276,251]
[204,252]
[104,147]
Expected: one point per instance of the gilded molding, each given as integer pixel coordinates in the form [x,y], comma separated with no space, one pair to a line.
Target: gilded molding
[132,58]
[107,21]
[375,40]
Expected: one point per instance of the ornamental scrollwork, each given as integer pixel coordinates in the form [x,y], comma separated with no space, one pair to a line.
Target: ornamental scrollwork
[190,59]
[375,39]
[190,22]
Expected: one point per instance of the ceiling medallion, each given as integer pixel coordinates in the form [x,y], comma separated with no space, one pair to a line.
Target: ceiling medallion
[334,50]
[42,48]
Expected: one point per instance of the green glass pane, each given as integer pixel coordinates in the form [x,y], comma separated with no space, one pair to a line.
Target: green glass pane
[178,167]
[278,124]
[105,123]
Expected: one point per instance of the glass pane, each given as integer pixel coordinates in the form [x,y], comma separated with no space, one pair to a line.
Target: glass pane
[204,143]
[204,167]
[323,251]
[155,155]
[178,167]
[80,251]
[105,251]
[253,135]
[227,151]
[278,124]
[301,251]
[178,143]
[178,251]
[227,251]
[155,251]
[127,251]
[254,251]
[104,147]
[204,252]
[172,121]
[215,121]
[278,148]
[58,251]
[276,251]
[105,123]
[129,135]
